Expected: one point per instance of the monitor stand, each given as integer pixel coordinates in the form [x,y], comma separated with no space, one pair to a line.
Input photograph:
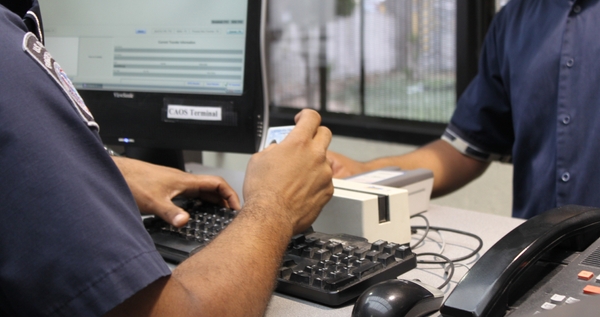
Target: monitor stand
[166,157]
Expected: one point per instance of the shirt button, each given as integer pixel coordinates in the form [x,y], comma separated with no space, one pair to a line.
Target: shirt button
[570,62]
[577,9]
[565,177]
[566,120]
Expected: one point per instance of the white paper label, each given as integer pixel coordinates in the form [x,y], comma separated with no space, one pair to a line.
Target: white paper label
[194,113]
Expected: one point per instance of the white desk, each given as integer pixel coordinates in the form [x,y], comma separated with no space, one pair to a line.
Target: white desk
[490,228]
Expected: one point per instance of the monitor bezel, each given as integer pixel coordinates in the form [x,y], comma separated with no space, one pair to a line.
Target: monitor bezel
[136,118]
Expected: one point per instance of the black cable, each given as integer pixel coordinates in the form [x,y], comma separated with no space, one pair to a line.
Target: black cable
[424,234]
[448,261]
[474,236]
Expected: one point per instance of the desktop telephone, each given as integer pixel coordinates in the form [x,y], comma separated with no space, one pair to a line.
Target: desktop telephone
[535,268]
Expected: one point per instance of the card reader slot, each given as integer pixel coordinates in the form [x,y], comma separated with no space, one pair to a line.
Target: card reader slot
[384,211]
[383,204]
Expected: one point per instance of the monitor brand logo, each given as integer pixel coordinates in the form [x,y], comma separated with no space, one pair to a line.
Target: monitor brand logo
[124,95]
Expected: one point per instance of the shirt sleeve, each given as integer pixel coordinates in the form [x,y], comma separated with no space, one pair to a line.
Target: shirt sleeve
[481,126]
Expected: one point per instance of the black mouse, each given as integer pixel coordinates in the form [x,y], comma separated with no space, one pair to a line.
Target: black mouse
[398,298]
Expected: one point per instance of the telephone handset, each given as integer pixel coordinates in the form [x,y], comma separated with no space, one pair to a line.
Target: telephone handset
[508,269]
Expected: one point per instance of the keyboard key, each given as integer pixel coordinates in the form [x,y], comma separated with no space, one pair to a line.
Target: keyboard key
[337,258]
[386,259]
[349,249]
[361,253]
[320,244]
[285,273]
[300,277]
[334,247]
[378,245]
[298,239]
[297,250]
[321,273]
[339,281]
[321,255]
[325,264]
[390,248]
[309,252]
[372,255]
[344,269]
[349,260]
[366,268]
[319,282]
[403,251]
[311,241]
[288,262]
[311,269]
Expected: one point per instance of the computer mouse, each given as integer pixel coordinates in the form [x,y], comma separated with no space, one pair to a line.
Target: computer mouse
[398,298]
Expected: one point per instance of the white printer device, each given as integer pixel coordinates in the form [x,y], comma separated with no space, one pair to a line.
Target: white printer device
[377,205]
[418,183]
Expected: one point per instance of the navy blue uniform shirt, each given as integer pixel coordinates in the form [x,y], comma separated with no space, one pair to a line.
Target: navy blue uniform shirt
[71,238]
[536,102]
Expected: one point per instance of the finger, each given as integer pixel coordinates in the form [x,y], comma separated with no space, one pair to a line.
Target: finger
[225,199]
[307,112]
[330,162]
[307,123]
[336,166]
[308,116]
[230,196]
[213,198]
[323,137]
[221,199]
[204,185]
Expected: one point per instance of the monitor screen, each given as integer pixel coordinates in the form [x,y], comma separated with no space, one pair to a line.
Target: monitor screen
[164,76]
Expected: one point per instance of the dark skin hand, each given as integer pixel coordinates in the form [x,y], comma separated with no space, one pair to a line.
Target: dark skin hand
[295,175]
[154,186]
[285,189]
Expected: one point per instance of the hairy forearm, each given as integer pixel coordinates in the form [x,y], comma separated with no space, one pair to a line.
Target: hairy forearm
[235,274]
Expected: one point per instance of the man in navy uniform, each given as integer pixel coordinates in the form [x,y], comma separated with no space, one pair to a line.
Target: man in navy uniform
[535,102]
[72,242]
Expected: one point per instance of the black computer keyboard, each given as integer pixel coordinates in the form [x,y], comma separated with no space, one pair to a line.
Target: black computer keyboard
[330,269]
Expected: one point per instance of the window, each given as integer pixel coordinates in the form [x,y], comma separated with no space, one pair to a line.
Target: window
[366,65]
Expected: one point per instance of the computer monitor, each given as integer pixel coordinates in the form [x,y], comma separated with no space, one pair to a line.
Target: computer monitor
[161,77]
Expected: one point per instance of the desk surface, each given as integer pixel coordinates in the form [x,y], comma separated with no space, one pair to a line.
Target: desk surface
[490,228]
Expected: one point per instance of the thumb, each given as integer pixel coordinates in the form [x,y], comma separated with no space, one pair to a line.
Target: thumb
[172,214]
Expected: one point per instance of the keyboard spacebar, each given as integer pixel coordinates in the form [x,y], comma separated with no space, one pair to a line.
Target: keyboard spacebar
[174,248]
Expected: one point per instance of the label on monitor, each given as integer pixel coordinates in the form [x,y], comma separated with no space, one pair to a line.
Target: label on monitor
[180,112]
